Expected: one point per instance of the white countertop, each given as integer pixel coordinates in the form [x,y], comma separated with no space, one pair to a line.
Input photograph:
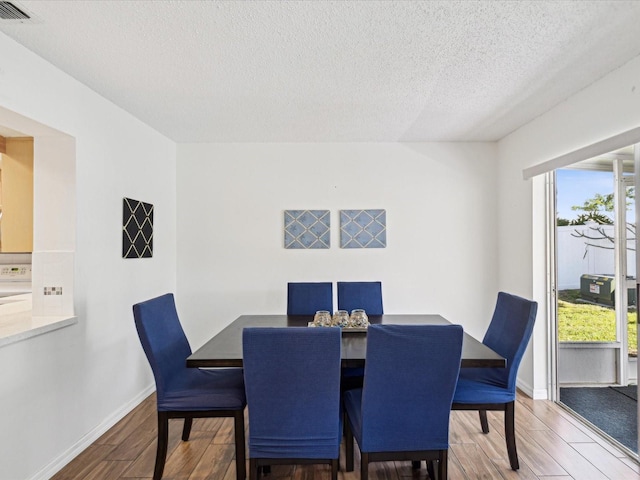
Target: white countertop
[17,321]
[14,288]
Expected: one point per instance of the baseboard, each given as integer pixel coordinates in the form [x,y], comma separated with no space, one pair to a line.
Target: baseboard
[60,462]
[539,394]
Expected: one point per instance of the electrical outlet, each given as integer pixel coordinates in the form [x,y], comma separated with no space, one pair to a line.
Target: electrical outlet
[53,290]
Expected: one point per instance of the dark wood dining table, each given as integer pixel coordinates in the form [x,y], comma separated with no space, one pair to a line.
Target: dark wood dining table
[225,348]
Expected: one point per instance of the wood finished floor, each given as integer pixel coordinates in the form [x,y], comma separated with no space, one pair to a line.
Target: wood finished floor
[552,445]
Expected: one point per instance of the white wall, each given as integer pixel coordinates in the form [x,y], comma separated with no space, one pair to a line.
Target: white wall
[440,202]
[61,389]
[54,231]
[607,107]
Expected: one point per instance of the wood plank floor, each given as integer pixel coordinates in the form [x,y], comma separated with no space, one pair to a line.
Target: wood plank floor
[552,445]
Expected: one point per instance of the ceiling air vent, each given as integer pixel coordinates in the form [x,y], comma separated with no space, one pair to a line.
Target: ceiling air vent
[8,11]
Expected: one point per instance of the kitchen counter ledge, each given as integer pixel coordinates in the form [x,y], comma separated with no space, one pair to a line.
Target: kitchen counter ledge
[17,321]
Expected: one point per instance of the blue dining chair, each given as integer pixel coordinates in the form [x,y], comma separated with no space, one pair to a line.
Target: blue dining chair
[292,378]
[306,298]
[365,295]
[485,389]
[402,412]
[183,392]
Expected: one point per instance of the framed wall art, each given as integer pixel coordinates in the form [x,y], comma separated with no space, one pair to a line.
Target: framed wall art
[307,229]
[137,229]
[363,228]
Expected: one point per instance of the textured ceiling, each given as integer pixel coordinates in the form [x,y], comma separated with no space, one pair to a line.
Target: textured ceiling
[324,71]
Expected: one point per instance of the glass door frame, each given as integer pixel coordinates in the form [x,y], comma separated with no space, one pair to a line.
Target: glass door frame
[620,269]
[621,183]
[636,163]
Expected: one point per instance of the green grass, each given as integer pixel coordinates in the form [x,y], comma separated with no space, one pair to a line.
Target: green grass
[584,322]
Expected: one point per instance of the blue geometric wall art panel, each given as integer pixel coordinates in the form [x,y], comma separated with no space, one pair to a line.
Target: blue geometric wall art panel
[137,229]
[363,228]
[307,229]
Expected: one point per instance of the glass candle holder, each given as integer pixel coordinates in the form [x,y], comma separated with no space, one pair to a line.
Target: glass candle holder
[322,318]
[340,319]
[358,318]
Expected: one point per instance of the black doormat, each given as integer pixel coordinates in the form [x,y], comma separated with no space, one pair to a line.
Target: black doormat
[631,391]
[613,410]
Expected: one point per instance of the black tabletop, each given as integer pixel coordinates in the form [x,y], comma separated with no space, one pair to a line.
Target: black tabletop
[225,348]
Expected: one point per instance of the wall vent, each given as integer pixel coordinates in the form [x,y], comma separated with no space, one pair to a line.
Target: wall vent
[8,11]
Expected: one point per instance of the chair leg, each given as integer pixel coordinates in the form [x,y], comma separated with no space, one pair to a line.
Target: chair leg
[253,469]
[348,447]
[334,469]
[186,430]
[483,421]
[161,451]
[364,466]
[241,473]
[443,465]
[431,469]
[510,434]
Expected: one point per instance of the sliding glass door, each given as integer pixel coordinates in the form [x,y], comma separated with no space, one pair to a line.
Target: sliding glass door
[596,293]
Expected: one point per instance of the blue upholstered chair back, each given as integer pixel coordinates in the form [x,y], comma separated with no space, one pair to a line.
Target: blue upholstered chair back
[365,295]
[508,334]
[163,340]
[292,380]
[306,298]
[410,377]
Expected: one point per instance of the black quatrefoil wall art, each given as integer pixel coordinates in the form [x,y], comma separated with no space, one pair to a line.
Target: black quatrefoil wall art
[137,229]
